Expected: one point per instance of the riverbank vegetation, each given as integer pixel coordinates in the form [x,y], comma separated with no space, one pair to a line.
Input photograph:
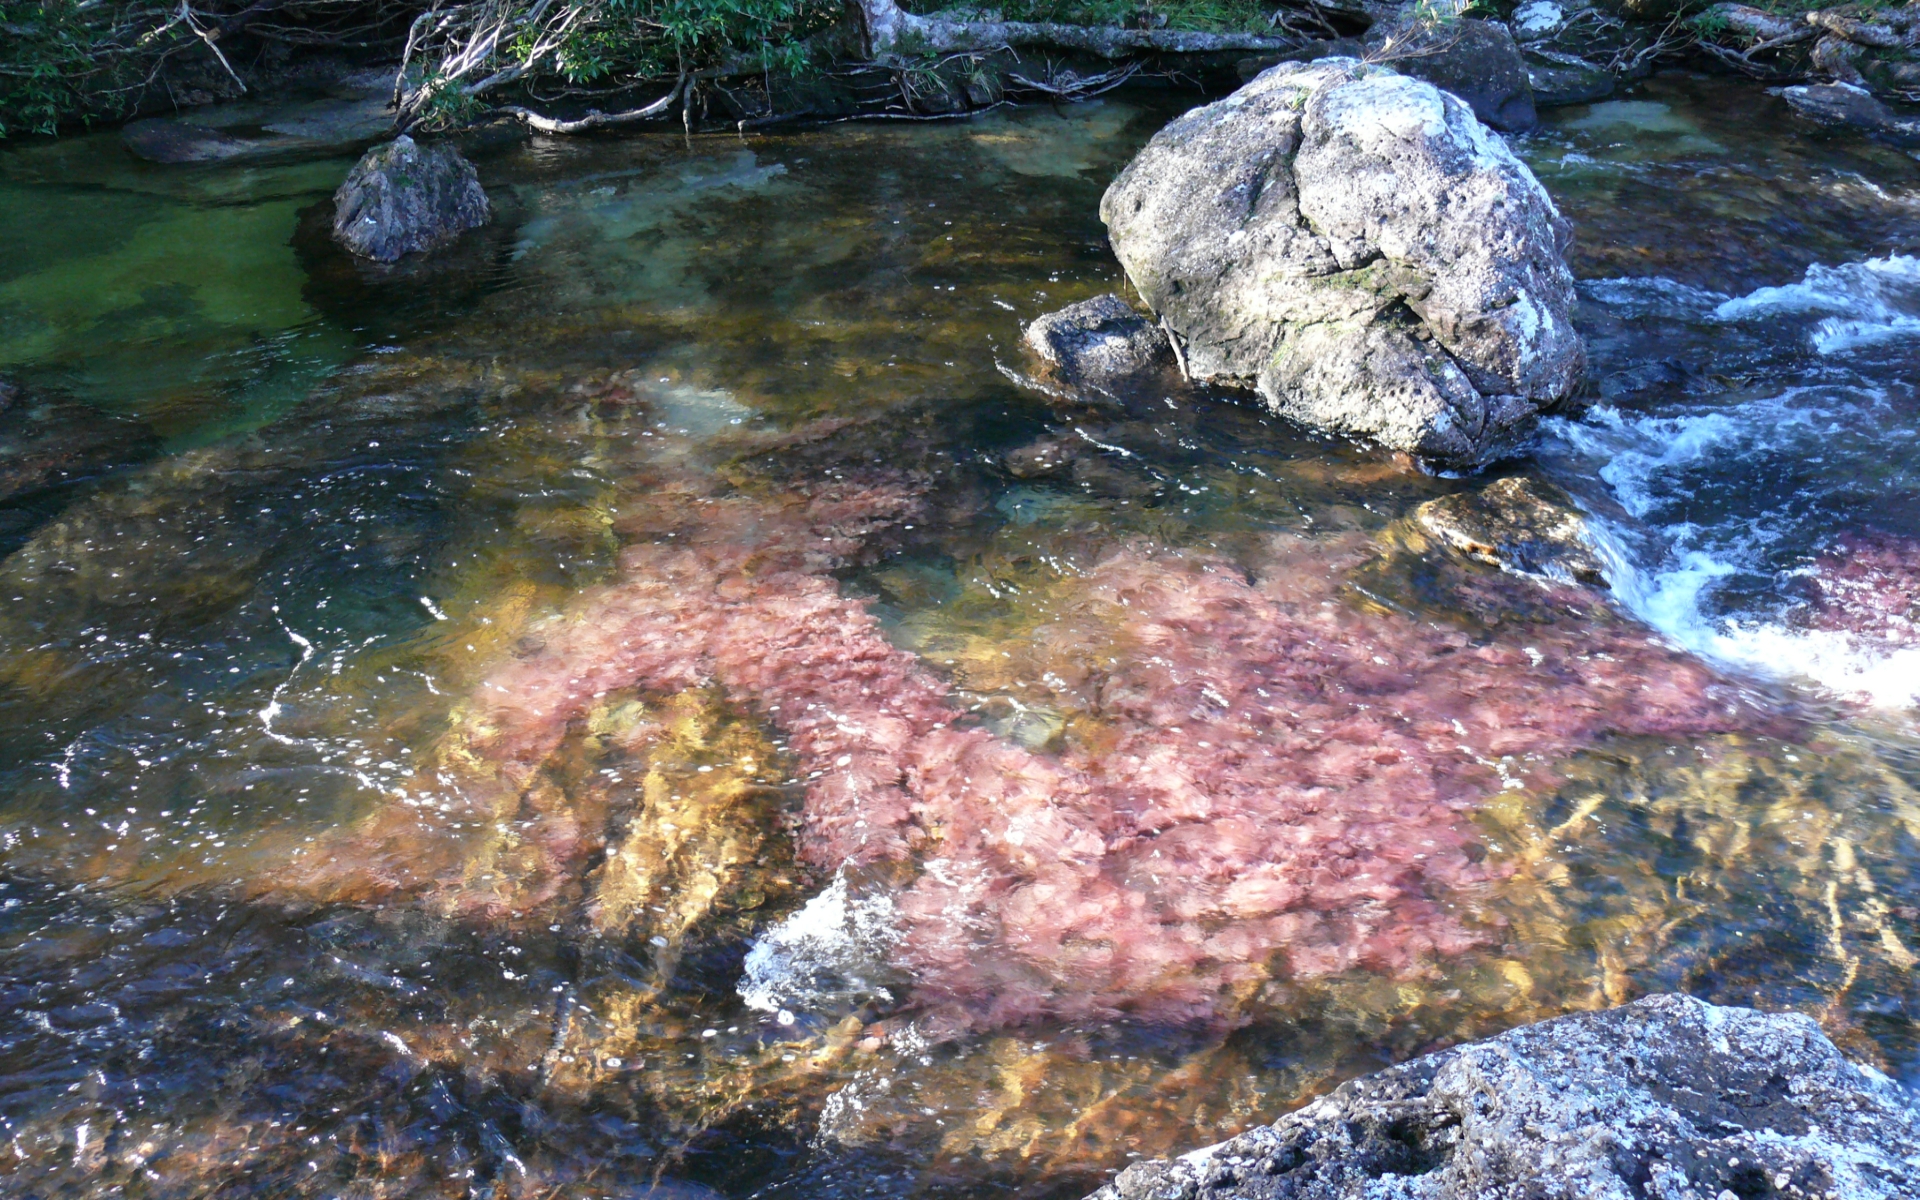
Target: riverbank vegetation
[575,65]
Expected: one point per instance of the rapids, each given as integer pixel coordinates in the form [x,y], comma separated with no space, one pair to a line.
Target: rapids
[642,705]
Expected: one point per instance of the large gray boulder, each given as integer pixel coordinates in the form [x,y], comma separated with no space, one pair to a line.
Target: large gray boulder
[1843,105]
[404,198]
[1665,1099]
[1354,245]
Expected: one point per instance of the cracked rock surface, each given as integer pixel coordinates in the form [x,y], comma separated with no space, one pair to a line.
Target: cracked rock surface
[1668,1098]
[1353,244]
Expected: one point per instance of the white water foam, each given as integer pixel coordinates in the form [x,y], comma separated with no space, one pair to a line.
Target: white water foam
[1658,467]
[1842,663]
[1870,303]
[1653,295]
[829,951]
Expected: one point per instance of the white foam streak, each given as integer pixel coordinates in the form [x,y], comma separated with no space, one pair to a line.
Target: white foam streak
[1673,601]
[825,951]
[1665,472]
[1871,302]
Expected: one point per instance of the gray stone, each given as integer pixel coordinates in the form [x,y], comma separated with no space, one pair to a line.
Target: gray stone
[1665,1099]
[1103,344]
[335,122]
[1354,245]
[1519,524]
[296,129]
[1477,61]
[1556,84]
[1844,105]
[179,142]
[403,198]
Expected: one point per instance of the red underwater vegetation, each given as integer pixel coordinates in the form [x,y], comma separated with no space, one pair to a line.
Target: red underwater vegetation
[1870,587]
[1267,777]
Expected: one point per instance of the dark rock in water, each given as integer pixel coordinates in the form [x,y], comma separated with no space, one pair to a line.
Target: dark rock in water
[175,142]
[1556,83]
[403,198]
[1663,374]
[1843,105]
[1075,460]
[1354,244]
[1519,524]
[1104,344]
[1477,61]
[1669,1098]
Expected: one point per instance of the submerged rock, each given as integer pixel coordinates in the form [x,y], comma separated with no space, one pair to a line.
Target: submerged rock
[402,198]
[1477,61]
[1103,344]
[1354,245]
[1519,524]
[47,441]
[1669,1097]
[177,142]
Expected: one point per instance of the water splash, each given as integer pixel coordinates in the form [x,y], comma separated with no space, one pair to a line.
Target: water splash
[1871,302]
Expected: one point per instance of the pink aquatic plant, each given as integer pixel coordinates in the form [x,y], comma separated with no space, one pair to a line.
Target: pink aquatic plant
[1273,779]
[1870,587]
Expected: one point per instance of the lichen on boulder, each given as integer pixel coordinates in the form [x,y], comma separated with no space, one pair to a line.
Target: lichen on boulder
[403,198]
[1355,246]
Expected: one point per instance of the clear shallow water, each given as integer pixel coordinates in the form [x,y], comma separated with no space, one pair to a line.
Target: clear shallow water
[351,847]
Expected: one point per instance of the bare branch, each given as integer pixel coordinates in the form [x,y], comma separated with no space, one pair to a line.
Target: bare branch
[595,119]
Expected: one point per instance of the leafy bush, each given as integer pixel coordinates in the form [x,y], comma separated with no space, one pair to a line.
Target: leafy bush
[61,59]
[589,47]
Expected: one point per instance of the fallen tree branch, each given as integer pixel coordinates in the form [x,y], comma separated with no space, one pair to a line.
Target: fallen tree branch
[892,31]
[595,119]
[1078,89]
[1860,33]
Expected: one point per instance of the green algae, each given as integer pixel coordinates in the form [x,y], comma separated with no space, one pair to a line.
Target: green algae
[174,296]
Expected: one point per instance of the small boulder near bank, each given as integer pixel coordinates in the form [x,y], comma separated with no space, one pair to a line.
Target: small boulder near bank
[404,198]
[1353,244]
[1668,1098]
[1104,345]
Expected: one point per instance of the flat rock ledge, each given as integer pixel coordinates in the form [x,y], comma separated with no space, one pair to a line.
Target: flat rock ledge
[1668,1098]
[403,198]
[1356,247]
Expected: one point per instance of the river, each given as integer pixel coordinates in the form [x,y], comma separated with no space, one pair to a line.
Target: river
[644,705]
